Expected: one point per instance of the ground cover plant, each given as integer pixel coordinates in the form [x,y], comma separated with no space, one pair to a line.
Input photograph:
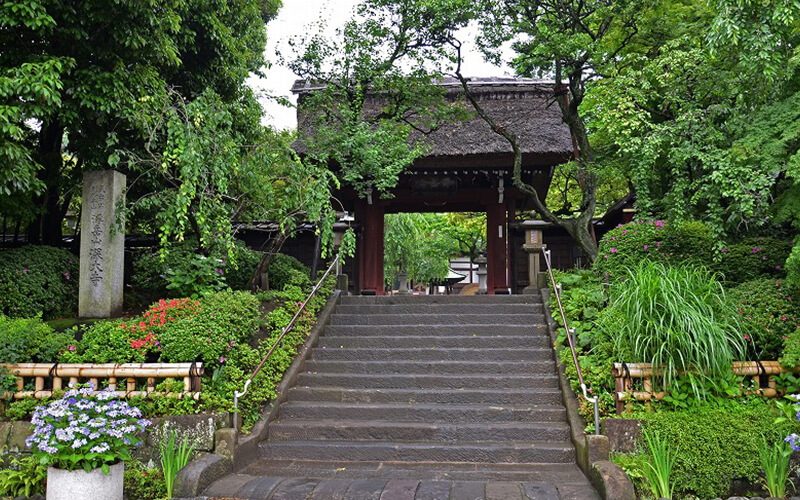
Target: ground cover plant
[713,445]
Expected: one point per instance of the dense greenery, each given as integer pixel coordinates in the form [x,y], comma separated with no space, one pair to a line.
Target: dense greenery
[78,91]
[183,271]
[226,331]
[713,444]
[38,280]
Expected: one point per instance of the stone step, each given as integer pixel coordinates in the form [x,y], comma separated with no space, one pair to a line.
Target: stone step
[529,452]
[557,473]
[315,410]
[380,430]
[442,299]
[437,319]
[435,330]
[437,367]
[432,342]
[426,308]
[407,381]
[441,396]
[429,354]
[347,487]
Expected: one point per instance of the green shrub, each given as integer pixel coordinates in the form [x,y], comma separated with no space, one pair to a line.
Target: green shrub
[107,342]
[791,349]
[688,242]
[23,478]
[285,269]
[30,341]
[152,275]
[673,316]
[247,260]
[222,321]
[768,314]
[36,280]
[793,267]
[753,258]
[715,444]
[143,482]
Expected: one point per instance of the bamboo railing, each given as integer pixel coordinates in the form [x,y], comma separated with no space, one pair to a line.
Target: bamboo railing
[634,381]
[127,380]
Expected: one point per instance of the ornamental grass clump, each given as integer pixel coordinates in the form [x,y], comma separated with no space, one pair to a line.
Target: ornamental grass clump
[86,431]
[675,317]
[774,460]
[658,470]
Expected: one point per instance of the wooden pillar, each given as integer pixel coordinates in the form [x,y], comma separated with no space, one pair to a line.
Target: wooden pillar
[511,279]
[371,247]
[496,249]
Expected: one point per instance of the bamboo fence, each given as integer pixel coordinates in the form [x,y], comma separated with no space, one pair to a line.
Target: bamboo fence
[634,381]
[127,380]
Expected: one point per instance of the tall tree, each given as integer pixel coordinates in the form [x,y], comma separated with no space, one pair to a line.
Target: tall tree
[576,42]
[674,116]
[373,86]
[80,80]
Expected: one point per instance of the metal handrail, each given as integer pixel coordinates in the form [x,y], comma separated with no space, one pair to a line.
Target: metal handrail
[571,339]
[286,329]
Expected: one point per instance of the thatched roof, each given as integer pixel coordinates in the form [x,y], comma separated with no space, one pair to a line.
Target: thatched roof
[523,105]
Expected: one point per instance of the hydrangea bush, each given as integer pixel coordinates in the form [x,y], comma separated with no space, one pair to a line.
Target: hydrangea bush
[85,431]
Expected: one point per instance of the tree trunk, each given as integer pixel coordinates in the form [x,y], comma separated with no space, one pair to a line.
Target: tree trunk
[275,245]
[580,232]
[46,226]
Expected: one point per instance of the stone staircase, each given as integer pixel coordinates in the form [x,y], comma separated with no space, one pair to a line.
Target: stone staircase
[458,396]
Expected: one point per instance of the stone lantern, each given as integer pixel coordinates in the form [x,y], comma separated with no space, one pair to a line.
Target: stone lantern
[533,246]
[482,272]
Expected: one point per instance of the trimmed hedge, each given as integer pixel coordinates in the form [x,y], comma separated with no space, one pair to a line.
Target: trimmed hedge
[769,313]
[38,280]
[754,258]
[30,340]
[688,242]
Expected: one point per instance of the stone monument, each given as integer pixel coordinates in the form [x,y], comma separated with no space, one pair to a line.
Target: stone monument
[102,245]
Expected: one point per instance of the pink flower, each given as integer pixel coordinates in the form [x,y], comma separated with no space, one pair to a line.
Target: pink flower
[783,318]
[724,250]
[746,336]
[613,250]
[72,348]
[645,247]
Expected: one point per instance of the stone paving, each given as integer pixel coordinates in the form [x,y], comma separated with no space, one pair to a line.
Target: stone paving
[280,488]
